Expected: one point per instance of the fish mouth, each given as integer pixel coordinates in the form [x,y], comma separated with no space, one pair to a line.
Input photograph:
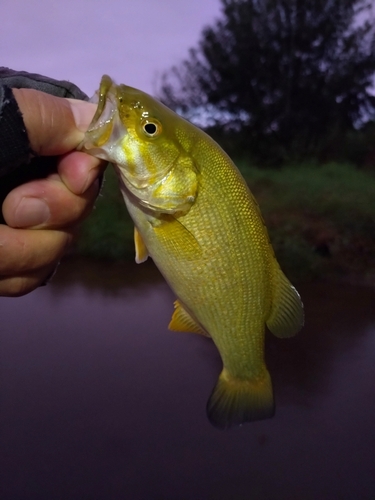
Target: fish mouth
[105,128]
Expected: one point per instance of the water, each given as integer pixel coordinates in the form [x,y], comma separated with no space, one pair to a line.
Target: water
[99,401]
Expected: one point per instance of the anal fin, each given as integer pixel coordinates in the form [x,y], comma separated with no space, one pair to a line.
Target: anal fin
[182,321]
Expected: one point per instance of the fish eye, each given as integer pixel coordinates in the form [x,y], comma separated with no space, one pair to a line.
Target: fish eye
[152,128]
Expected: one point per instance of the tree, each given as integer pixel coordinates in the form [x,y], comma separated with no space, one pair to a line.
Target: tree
[290,75]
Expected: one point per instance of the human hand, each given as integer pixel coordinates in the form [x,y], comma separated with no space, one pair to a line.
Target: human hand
[43,214]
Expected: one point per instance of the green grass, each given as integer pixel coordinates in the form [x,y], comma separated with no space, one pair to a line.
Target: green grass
[327,190]
[321,219]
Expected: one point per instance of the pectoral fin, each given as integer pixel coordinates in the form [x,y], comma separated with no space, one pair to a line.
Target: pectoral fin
[182,321]
[177,239]
[141,252]
[287,316]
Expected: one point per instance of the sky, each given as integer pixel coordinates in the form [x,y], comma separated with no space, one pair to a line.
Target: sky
[133,41]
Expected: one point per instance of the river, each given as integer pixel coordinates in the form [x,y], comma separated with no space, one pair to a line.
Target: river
[99,401]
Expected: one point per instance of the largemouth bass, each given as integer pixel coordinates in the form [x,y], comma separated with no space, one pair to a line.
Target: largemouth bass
[196,217]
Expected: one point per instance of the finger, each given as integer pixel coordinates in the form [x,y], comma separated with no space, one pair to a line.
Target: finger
[54,125]
[26,250]
[15,286]
[47,204]
[79,170]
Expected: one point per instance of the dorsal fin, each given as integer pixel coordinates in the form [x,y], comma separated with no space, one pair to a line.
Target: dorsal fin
[287,316]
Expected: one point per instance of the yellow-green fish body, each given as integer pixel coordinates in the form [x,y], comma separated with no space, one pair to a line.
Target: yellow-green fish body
[196,217]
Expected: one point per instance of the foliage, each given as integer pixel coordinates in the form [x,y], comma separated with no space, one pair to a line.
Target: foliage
[320,219]
[291,75]
[108,232]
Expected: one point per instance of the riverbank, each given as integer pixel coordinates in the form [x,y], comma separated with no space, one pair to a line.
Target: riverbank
[320,218]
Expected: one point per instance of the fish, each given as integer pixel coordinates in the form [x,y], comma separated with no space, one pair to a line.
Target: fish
[195,215]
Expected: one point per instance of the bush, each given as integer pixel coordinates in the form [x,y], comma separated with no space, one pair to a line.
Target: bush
[320,219]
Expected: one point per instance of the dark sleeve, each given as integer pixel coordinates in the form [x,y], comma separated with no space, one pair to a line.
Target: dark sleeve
[14,143]
[23,80]
[17,163]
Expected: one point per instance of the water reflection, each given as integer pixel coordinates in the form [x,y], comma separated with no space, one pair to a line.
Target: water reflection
[98,400]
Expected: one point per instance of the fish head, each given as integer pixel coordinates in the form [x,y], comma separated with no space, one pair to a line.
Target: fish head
[140,137]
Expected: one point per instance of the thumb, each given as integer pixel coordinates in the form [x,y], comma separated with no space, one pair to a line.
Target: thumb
[54,125]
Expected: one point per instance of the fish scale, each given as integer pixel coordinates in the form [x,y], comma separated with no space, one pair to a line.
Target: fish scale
[196,217]
[240,295]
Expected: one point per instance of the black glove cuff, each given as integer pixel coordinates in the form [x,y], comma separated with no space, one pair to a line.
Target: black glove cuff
[14,143]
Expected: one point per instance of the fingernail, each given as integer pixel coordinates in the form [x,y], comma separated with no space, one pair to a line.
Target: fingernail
[91,180]
[31,212]
[83,113]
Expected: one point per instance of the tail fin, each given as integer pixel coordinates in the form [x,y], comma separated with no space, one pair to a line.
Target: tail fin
[235,401]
